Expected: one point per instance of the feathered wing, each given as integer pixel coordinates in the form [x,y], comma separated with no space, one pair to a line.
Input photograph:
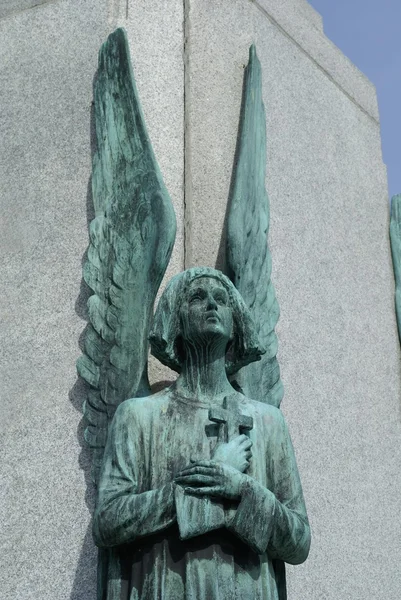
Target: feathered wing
[395,239]
[131,239]
[249,262]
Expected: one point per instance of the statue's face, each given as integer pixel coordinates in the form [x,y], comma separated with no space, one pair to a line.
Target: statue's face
[207,311]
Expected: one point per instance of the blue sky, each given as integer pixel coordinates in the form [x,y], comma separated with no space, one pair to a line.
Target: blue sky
[368,32]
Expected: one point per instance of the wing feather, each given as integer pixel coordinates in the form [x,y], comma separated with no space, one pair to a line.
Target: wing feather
[131,239]
[248,256]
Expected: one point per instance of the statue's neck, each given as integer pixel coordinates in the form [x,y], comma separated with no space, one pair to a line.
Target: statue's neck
[203,375]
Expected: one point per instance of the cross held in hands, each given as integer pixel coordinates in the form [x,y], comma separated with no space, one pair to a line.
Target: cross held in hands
[231,420]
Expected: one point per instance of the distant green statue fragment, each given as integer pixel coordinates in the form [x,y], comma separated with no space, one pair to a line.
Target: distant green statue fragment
[395,239]
[191,513]
[199,495]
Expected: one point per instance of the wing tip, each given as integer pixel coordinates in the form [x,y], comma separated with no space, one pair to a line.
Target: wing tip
[253,57]
[396,207]
[116,37]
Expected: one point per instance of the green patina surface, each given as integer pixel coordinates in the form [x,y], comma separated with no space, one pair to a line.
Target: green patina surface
[395,239]
[199,494]
[131,239]
[249,262]
[198,490]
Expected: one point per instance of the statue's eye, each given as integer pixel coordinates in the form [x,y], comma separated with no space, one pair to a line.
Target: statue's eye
[221,298]
[197,296]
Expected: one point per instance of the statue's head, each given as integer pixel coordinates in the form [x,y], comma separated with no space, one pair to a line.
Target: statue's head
[197,306]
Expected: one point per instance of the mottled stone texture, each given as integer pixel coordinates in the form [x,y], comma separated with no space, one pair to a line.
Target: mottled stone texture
[48,62]
[9,7]
[338,346]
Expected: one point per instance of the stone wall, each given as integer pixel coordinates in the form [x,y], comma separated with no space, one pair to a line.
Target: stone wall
[47,66]
[338,346]
[338,341]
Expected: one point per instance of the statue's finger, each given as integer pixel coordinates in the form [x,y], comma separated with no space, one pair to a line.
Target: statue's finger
[200,467]
[195,479]
[246,442]
[205,463]
[194,465]
[183,470]
[241,438]
[196,469]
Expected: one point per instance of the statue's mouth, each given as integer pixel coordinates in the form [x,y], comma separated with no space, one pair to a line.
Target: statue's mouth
[212,315]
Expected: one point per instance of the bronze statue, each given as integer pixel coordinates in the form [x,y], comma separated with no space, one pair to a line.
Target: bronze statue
[164,457]
[198,489]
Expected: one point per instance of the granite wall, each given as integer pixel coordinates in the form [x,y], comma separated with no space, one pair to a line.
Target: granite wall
[338,346]
[338,342]
[47,66]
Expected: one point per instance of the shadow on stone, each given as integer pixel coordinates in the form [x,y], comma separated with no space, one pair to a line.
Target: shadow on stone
[160,385]
[84,586]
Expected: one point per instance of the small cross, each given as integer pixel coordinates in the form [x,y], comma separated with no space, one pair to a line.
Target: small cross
[232,421]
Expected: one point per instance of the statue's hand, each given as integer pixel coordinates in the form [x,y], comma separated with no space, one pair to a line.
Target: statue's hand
[236,453]
[210,478]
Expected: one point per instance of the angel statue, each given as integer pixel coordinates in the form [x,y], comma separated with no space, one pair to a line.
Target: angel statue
[199,495]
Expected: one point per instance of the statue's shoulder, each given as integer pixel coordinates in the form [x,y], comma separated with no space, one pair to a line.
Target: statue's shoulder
[263,409]
[144,406]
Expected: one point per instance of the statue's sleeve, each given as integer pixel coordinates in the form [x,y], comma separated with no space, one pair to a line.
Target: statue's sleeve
[122,514]
[275,520]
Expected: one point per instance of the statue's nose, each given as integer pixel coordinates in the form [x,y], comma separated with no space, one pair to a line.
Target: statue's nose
[211,303]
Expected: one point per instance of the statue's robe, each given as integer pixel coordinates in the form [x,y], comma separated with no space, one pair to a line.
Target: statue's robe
[152,439]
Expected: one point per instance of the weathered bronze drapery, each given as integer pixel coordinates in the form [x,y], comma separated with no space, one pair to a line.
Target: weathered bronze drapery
[198,490]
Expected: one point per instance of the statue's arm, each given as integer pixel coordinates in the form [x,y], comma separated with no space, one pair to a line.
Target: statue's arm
[122,514]
[275,520]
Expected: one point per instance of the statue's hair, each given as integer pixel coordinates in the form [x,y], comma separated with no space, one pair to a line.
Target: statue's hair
[166,331]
